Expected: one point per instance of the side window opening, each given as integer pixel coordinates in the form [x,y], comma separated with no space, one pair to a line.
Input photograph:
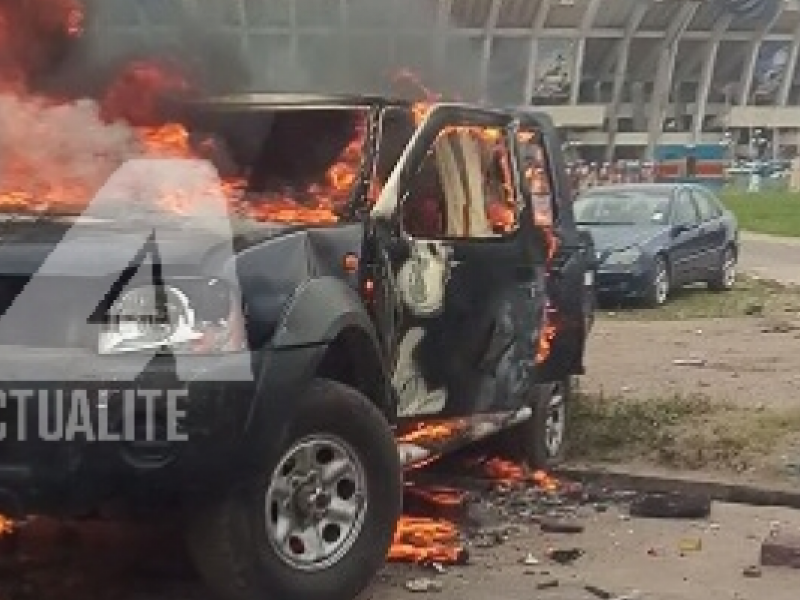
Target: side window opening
[463,188]
[537,179]
[685,210]
[706,204]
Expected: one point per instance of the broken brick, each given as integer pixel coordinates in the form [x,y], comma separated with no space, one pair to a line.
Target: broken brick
[781,550]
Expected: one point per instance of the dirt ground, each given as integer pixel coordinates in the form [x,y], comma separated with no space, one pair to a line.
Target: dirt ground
[618,560]
[744,360]
[628,558]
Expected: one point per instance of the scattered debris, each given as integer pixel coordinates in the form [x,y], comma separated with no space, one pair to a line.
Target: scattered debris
[689,362]
[752,572]
[550,525]
[598,592]
[671,506]
[781,549]
[690,545]
[424,584]
[754,309]
[547,585]
[565,556]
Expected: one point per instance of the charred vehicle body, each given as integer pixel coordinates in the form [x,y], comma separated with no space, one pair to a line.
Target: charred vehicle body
[399,282]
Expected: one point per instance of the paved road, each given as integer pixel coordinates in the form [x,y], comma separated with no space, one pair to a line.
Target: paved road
[771,257]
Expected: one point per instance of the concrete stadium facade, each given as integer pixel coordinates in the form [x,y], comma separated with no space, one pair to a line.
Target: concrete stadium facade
[620,77]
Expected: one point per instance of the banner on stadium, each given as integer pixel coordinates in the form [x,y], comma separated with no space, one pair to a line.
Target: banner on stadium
[773,59]
[554,71]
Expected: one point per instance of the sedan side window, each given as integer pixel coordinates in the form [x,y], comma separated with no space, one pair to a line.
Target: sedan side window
[685,211]
[706,205]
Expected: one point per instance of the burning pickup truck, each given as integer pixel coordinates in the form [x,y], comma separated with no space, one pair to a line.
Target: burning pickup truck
[399,280]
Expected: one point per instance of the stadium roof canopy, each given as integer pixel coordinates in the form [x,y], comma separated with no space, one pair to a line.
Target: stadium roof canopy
[590,57]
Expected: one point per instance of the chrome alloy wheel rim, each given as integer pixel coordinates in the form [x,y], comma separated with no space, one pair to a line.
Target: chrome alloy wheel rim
[316,503]
[729,270]
[662,285]
[555,422]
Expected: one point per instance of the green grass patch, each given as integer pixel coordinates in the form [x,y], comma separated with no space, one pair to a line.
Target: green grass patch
[686,432]
[750,297]
[774,213]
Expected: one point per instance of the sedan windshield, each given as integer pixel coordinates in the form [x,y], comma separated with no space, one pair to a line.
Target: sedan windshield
[622,208]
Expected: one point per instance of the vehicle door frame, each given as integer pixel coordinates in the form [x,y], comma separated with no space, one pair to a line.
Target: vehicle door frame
[573,266]
[386,217]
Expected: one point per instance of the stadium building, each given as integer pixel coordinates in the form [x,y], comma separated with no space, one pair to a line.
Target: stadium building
[622,78]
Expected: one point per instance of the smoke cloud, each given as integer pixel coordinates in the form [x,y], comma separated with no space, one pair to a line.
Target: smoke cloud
[236,45]
[74,50]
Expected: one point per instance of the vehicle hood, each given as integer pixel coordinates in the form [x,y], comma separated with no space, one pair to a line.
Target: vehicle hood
[98,247]
[609,238]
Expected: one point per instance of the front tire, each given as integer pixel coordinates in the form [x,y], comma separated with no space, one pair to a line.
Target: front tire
[316,522]
[658,287]
[539,442]
[724,278]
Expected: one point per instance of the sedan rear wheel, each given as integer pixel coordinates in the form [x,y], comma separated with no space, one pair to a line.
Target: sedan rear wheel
[659,286]
[725,278]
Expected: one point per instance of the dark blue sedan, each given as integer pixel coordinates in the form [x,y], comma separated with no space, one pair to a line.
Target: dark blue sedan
[653,238]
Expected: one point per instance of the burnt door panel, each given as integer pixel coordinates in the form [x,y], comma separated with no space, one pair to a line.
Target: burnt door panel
[570,269]
[468,291]
[477,354]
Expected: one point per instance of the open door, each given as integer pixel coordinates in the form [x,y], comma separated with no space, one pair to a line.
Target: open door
[571,262]
[467,272]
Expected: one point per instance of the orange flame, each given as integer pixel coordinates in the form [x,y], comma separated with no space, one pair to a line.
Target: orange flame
[6,525]
[425,433]
[511,473]
[419,539]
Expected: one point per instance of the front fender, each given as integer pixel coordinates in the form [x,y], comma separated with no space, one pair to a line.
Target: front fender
[319,310]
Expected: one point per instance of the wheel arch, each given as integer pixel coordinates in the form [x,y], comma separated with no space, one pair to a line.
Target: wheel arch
[354,359]
[327,311]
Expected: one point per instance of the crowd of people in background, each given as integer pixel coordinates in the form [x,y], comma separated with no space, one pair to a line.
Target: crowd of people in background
[585,175]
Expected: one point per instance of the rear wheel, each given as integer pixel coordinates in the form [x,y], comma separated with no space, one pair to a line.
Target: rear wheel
[659,285]
[317,521]
[539,441]
[724,278]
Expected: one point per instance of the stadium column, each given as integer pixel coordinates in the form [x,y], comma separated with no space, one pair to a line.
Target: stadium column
[442,34]
[587,21]
[791,67]
[488,38]
[539,19]
[294,38]
[620,59]
[749,71]
[244,37]
[667,53]
[707,74]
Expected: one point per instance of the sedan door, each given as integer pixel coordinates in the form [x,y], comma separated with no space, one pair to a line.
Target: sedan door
[713,228]
[687,253]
